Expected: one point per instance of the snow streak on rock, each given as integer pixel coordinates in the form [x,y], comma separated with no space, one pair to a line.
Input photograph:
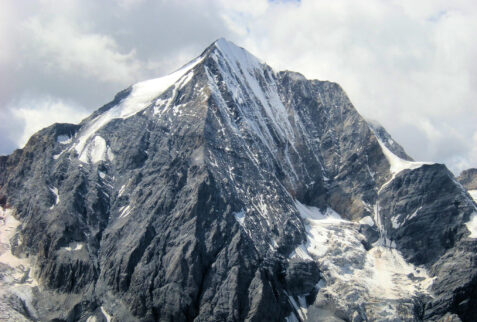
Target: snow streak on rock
[54,190]
[95,151]
[472,225]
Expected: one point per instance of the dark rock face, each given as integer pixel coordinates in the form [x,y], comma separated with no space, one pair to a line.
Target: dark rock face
[183,206]
[455,287]
[422,212]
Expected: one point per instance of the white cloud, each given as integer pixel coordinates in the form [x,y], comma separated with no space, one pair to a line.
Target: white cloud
[37,113]
[64,46]
[128,4]
[6,21]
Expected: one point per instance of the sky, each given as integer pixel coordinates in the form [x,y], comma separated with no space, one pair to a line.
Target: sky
[410,65]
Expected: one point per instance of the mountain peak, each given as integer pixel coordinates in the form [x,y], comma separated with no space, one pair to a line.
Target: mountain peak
[232,52]
[226,191]
[223,42]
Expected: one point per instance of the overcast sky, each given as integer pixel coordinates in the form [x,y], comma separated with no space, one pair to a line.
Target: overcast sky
[411,65]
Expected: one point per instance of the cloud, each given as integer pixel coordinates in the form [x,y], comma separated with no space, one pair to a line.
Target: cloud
[63,46]
[5,36]
[27,116]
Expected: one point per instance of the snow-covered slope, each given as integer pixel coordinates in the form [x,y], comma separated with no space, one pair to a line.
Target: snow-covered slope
[93,148]
[380,280]
[397,164]
[16,281]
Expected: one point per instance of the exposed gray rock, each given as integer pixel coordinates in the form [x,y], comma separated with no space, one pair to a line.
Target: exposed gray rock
[468,178]
[422,212]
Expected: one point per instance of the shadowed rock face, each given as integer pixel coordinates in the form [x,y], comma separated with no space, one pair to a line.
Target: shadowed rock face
[422,211]
[178,201]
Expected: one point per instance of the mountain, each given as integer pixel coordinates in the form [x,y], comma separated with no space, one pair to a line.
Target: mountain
[227,191]
[468,178]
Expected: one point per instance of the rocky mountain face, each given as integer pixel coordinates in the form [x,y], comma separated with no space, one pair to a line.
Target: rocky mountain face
[468,178]
[227,191]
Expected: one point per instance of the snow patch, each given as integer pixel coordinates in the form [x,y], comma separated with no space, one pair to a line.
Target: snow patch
[473,194]
[124,211]
[74,247]
[8,226]
[57,156]
[368,220]
[16,273]
[96,150]
[301,252]
[121,190]
[414,214]
[106,315]
[141,96]
[394,222]
[396,163]
[313,213]
[54,190]
[63,139]
[380,275]
[389,276]
[240,217]
[472,225]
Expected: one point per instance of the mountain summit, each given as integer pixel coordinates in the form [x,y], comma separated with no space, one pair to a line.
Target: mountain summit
[227,191]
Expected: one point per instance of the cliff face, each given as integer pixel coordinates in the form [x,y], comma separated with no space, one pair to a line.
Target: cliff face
[468,178]
[228,191]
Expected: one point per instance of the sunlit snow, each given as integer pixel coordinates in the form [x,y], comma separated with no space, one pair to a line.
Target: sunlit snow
[16,273]
[63,139]
[106,315]
[54,190]
[141,96]
[367,221]
[240,217]
[124,211]
[121,190]
[380,273]
[247,65]
[472,225]
[92,319]
[396,163]
[473,194]
[74,247]
[96,150]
